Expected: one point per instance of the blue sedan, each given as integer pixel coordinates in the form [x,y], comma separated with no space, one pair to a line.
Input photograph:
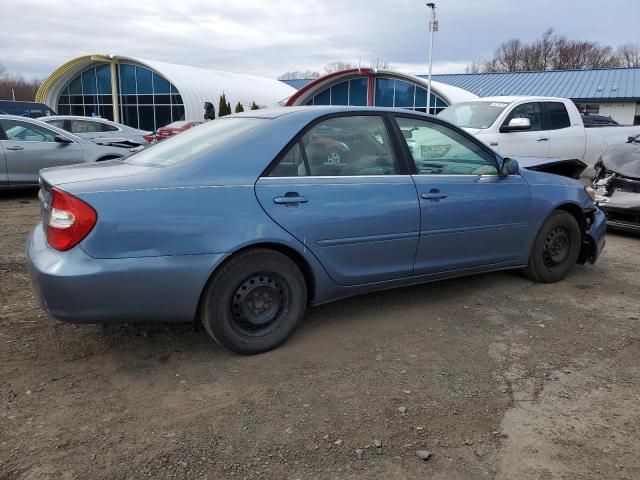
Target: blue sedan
[245,221]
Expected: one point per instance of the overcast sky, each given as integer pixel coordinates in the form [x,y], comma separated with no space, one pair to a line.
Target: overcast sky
[266,37]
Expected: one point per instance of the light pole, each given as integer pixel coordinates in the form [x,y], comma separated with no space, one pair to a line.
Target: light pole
[433,27]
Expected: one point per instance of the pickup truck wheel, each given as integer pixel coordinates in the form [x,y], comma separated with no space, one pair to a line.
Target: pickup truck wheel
[555,249]
[254,302]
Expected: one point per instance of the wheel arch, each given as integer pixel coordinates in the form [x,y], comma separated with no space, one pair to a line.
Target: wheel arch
[587,245]
[291,253]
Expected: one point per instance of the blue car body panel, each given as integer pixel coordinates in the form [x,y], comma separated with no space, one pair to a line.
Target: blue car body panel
[163,231]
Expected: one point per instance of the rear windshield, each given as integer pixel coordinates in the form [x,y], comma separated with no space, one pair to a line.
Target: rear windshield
[480,114]
[193,142]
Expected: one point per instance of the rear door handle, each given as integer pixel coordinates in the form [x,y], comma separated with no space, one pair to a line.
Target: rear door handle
[14,147]
[542,139]
[290,198]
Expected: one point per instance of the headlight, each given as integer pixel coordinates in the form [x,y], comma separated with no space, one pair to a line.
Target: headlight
[591,192]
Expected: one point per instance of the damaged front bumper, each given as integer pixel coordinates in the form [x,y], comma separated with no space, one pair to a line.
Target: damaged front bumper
[619,198]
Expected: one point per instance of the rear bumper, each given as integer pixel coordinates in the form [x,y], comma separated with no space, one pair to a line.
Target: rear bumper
[77,288]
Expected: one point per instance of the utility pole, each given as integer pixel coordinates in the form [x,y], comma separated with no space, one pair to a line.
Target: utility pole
[433,27]
[13,94]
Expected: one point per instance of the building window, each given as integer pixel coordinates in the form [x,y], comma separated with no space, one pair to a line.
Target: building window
[588,108]
[147,100]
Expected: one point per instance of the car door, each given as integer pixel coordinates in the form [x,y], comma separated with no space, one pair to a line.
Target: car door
[470,215]
[533,142]
[339,189]
[30,147]
[565,140]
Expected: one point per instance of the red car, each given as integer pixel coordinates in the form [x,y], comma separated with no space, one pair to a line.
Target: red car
[171,130]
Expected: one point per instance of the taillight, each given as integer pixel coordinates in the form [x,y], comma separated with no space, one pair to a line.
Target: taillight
[69,221]
[149,138]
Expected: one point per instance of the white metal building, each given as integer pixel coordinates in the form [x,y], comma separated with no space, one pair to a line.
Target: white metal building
[148,94]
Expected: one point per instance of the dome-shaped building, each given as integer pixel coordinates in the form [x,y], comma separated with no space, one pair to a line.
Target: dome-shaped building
[370,87]
[147,94]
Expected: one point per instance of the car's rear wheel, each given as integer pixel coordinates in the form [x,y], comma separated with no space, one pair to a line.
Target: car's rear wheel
[254,302]
[556,248]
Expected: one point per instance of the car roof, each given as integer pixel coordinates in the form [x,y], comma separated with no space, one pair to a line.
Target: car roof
[76,117]
[276,112]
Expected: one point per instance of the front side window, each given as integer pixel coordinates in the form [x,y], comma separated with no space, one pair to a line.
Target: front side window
[530,111]
[440,150]
[558,115]
[26,132]
[349,146]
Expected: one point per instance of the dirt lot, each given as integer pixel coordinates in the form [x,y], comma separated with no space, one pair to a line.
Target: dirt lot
[500,378]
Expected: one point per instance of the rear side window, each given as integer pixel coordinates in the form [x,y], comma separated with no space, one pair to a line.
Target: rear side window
[87,126]
[558,115]
[345,146]
[56,123]
[193,142]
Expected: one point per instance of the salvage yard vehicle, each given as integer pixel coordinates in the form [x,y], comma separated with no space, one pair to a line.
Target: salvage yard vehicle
[28,145]
[536,127]
[617,184]
[24,109]
[95,127]
[241,223]
[172,129]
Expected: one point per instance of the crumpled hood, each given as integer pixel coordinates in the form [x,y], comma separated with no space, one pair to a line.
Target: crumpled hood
[566,167]
[623,159]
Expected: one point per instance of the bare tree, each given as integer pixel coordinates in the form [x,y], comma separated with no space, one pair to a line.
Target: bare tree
[12,84]
[555,52]
[299,75]
[338,65]
[629,54]
[380,64]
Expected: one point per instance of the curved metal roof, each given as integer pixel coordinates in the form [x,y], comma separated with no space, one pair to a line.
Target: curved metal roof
[196,85]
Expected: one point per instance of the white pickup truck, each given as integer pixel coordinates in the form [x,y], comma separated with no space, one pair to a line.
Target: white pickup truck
[535,127]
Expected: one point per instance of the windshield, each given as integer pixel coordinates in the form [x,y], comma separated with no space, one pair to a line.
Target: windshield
[192,142]
[473,114]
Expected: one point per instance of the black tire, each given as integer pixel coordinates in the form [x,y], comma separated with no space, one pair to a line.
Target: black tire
[254,302]
[556,248]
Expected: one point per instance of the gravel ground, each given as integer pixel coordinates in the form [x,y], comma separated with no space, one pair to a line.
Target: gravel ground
[495,376]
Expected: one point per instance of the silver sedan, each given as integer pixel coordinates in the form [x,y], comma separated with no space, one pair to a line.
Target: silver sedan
[95,127]
[27,146]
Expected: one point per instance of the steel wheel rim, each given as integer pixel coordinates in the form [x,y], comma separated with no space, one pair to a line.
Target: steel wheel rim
[260,304]
[557,247]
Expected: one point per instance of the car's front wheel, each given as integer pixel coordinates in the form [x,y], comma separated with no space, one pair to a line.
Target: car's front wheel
[254,302]
[556,248]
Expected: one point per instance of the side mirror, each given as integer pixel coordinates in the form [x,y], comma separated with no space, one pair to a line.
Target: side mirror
[516,125]
[510,167]
[62,139]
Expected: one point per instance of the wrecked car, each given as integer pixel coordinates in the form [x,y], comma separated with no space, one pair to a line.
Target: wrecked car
[617,184]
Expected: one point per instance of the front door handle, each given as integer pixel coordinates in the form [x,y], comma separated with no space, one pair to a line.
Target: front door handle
[434,194]
[14,147]
[542,139]
[290,198]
